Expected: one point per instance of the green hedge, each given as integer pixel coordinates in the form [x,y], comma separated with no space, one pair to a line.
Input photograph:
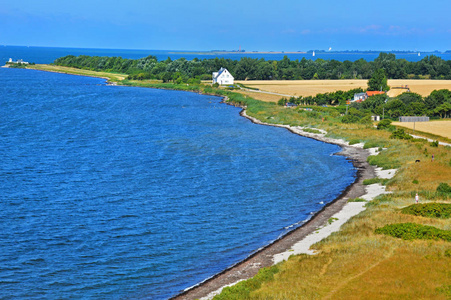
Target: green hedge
[430,210]
[444,189]
[412,231]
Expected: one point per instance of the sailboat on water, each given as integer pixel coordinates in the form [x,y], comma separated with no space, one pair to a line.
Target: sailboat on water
[313,54]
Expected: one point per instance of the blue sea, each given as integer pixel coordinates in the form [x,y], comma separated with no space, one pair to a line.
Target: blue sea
[111,192]
[46,55]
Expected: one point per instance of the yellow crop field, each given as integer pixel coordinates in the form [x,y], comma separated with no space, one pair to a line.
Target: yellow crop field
[312,87]
[420,86]
[442,128]
[304,87]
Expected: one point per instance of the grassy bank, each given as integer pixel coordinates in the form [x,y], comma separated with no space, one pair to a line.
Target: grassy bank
[356,262]
[111,77]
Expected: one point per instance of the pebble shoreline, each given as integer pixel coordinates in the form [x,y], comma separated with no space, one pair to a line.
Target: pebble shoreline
[300,239]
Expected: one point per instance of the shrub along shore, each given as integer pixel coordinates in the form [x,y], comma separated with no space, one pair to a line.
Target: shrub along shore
[362,260]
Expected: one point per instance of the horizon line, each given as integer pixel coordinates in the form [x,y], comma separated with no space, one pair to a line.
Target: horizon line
[238,51]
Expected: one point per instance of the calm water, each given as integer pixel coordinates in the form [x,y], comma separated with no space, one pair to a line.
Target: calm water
[119,192]
[45,55]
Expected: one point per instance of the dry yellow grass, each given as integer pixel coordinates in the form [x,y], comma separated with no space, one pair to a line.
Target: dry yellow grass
[312,87]
[67,70]
[304,87]
[260,96]
[422,87]
[441,128]
[356,263]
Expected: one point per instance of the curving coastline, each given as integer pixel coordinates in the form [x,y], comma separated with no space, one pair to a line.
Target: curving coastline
[264,256]
[272,253]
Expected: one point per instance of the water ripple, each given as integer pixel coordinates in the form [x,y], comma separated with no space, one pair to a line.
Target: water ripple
[117,192]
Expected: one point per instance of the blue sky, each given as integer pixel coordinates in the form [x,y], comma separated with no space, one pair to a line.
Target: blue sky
[283,25]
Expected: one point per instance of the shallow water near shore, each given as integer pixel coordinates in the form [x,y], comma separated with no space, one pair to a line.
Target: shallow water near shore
[120,192]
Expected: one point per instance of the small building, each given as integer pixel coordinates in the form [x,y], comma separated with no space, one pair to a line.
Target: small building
[413,119]
[289,104]
[375,118]
[360,97]
[19,61]
[222,77]
[373,93]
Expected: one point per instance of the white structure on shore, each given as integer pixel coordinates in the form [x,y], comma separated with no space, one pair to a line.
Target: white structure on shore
[19,61]
[222,77]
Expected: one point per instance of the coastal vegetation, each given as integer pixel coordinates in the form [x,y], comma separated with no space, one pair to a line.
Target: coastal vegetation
[182,70]
[430,210]
[358,262]
[412,231]
[437,104]
[384,67]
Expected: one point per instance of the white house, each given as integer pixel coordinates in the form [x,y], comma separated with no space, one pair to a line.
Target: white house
[359,97]
[222,77]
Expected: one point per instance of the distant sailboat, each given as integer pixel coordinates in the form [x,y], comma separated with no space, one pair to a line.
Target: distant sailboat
[313,53]
[419,54]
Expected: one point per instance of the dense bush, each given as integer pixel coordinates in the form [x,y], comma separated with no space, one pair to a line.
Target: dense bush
[348,119]
[444,189]
[384,124]
[412,231]
[430,210]
[434,144]
[366,120]
[400,134]
[448,252]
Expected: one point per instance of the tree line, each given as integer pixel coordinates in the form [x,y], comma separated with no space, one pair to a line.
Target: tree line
[182,70]
[437,104]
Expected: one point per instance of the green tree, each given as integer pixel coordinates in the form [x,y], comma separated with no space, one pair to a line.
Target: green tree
[408,98]
[443,110]
[437,97]
[378,81]
[374,101]
[417,108]
[384,124]
[395,108]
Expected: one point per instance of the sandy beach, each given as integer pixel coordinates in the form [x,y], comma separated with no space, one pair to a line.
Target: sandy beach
[317,228]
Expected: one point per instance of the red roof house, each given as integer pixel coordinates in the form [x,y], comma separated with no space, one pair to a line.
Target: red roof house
[372,93]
